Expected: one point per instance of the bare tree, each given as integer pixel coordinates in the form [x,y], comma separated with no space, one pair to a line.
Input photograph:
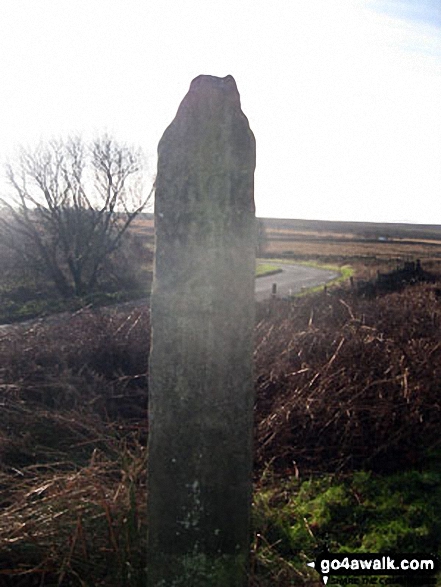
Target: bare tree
[71,204]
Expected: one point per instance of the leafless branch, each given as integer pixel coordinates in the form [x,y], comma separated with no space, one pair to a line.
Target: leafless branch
[73,202]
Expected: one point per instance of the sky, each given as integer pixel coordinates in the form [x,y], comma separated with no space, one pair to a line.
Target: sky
[343,96]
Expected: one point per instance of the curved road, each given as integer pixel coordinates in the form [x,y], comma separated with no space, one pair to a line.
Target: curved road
[292,279]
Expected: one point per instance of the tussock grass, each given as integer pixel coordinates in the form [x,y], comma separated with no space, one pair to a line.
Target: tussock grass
[67,525]
[73,450]
[345,382]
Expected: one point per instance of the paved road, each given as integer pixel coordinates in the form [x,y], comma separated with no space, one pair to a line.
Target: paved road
[292,279]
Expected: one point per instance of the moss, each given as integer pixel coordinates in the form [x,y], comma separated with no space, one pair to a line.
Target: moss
[356,513]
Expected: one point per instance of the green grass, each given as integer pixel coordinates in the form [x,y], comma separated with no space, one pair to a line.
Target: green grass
[345,273]
[19,311]
[356,513]
[263,269]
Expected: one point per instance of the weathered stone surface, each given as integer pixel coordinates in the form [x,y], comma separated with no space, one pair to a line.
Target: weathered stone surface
[201,384]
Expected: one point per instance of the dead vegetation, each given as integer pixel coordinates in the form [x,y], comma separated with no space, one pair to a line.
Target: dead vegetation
[73,451]
[341,381]
[345,382]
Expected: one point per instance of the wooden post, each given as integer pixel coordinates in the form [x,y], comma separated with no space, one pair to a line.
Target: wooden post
[200,375]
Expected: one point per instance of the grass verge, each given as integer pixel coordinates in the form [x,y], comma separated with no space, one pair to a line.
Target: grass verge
[345,272]
[263,269]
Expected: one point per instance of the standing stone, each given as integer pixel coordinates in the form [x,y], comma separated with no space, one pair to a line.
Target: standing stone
[202,310]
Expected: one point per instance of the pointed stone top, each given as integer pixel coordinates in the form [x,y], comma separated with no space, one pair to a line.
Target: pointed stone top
[222,83]
[209,121]
[210,89]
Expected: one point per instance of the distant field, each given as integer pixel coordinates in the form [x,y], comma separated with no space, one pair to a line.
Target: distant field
[368,247]
[143,225]
[367,230]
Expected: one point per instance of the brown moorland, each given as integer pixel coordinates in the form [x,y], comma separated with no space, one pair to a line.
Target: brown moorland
[342,381]
[346,379]
[367,246]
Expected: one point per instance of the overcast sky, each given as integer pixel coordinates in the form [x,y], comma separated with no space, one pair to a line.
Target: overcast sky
[344,96]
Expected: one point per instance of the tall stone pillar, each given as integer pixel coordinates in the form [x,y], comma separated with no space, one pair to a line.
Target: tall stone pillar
[202,311]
